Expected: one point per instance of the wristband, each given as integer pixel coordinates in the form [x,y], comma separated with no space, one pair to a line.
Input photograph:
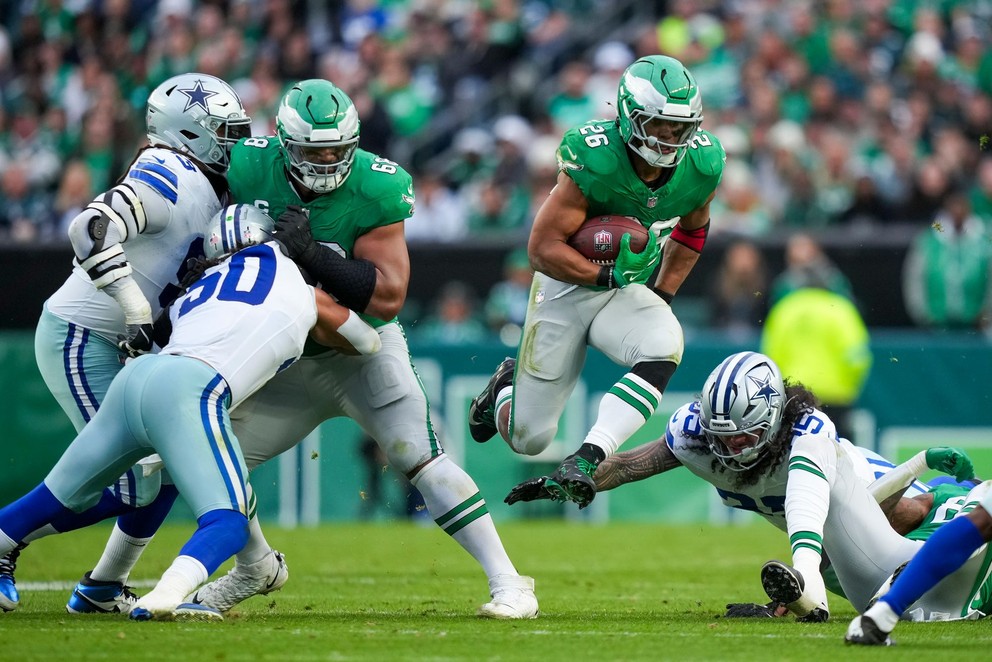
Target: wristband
[666,296]
[605,277]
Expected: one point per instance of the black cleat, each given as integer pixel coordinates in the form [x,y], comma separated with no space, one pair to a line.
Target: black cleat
[785,584]
[864,631]
[482,411]
[573,481]
[782,583]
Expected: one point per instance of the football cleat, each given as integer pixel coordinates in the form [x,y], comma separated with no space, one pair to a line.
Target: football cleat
[100,597]
[186,611]
[572,481]
[242,582]
[785,584]
[864,631]
[512,598]
[482,411]
[10,599]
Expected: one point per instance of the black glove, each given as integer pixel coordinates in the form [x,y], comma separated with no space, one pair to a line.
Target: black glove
[138,340]
[292,231]
[531,489]
[751,610]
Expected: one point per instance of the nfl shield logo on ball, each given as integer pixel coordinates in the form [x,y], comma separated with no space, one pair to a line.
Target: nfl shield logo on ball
[603,242]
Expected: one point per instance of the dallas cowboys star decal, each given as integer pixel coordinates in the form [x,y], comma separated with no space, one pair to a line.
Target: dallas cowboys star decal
[197,96]
[765,390]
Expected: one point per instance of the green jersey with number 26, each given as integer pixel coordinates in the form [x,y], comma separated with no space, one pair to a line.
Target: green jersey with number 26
[377,193]
[595,157]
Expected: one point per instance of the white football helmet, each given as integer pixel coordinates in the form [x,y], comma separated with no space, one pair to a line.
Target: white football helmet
[198,115]
[743,396]
[236,227]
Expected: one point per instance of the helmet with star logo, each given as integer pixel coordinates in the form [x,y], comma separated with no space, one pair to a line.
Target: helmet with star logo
[199,115]
[318,129]
[659,109]
[741,408]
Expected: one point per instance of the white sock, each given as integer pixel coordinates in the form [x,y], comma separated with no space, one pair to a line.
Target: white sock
[883,615]
[119,557]
[454,502]
[622,412]
[257,546]
[503,399]
[182,578]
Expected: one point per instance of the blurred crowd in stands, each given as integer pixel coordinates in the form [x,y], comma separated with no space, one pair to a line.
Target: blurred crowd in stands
[839,116]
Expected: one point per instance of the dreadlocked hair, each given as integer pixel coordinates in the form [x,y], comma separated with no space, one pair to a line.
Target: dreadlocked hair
[799,401]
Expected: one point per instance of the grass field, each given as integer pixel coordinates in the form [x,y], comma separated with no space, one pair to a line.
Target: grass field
[403,592]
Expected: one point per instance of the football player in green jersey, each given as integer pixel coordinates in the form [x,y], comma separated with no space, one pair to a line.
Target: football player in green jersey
[652,162]
[340,213]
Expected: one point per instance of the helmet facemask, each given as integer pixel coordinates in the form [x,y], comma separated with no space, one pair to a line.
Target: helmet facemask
[234,228]
[200,116]
[741,409]
[659,110]
[318,130]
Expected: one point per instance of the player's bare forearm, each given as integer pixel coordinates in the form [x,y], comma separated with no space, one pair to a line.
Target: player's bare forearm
[678,259]
[676,263]
[562,213]
[636,464]
[386,248]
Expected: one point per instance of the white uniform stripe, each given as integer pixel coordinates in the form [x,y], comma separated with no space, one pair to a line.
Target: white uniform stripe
[227,462]
[75,374]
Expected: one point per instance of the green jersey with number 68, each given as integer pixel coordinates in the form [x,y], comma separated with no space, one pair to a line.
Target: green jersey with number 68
[377,193]
[594,155]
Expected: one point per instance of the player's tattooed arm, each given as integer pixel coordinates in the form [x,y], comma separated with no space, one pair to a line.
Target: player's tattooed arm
[636,464]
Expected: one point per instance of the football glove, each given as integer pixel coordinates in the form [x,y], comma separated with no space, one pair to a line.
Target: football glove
[754,610]
[951,461]
[137,341]
[532,489]
[631,267]
[292,231]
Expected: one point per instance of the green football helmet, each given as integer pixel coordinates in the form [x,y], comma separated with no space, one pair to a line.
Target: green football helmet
[318,128]
[659,109]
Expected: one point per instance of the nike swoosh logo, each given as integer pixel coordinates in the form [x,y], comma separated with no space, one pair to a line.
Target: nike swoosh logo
[196,599]
[162,161]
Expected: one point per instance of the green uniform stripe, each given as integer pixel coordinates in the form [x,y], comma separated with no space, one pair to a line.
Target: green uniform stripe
[632,401]
[252,504]
[465,521]
[805,535]
[805,460]
[815,548]
[460,508]
[641,391]
[803,467]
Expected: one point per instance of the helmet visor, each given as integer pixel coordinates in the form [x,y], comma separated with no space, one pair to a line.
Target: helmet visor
[322,159]
[662,131]
[740,449]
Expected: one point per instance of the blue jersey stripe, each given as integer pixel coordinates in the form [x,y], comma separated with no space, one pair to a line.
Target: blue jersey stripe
[170,176]
[222,401]
[162,187]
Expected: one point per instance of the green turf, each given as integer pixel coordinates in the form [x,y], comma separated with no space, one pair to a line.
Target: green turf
[403,592]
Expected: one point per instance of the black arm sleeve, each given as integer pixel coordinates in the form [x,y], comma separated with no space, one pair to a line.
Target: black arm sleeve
[352,282]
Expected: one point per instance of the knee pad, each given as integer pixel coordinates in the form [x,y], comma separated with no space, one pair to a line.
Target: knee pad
[385,381]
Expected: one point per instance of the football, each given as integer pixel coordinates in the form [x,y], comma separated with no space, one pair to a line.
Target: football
[598,239]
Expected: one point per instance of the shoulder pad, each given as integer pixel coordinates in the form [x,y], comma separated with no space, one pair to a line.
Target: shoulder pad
[708,156]
[575,153]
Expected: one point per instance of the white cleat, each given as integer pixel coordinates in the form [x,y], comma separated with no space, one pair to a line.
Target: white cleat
[156,606]
[513,598]
[243,581]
